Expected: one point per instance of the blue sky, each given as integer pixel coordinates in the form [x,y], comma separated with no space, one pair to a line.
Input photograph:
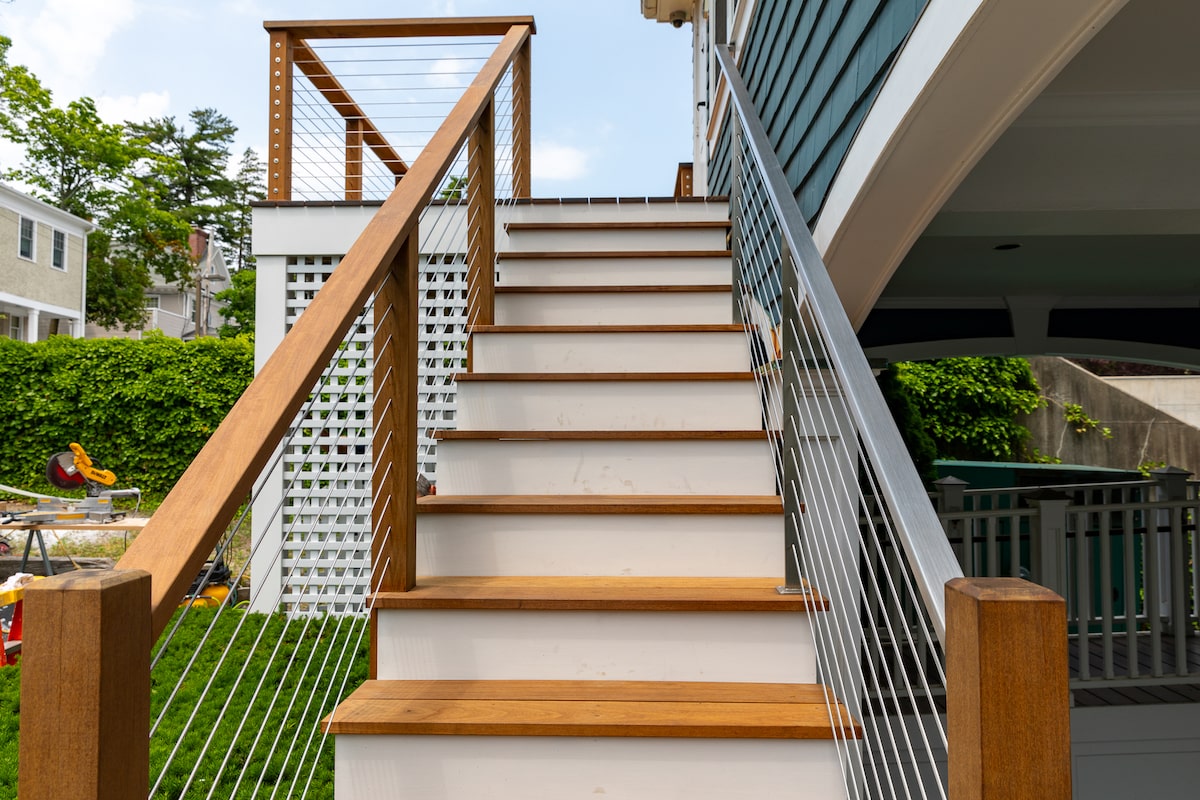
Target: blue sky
[611,90]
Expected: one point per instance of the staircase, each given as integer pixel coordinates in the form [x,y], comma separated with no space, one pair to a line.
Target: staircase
[597,612]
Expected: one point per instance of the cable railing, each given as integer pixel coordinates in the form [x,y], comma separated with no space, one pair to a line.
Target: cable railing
[860,530]
[324,446]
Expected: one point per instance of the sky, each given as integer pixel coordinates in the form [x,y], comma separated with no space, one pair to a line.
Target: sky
[611,90]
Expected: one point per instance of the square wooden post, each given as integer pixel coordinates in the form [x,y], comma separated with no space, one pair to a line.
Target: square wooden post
[522,142]
[481,218]
[393,444]
[279,131]
[1008,703]
[85,687]
[354,158]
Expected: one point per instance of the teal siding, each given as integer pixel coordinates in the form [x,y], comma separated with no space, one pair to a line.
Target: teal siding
[813,67]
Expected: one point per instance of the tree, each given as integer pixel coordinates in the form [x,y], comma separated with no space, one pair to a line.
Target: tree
[239,304]
[969,406]
[250,186]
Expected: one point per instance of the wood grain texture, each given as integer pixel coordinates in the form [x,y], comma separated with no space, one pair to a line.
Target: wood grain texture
[1008,705]
[401,28]
[594,708]
[354,159]
[522,123]
[539,255]
[394,409]
[191,519]
[592,377]
[629,436]
[600,594]
[85,687]
[481,218]
[339,98]
[279,104]
[599,504]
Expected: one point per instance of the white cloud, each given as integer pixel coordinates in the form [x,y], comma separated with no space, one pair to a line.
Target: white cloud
[64,40]
[552,161]
[128,108]
[445,73]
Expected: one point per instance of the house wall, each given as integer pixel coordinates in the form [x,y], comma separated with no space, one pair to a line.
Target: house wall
[813,69]
[36,280]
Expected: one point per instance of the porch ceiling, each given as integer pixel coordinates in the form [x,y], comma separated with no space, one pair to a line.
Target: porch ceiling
[1092,196]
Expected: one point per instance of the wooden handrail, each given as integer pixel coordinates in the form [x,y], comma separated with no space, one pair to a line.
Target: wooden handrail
[192,518]
[401,28]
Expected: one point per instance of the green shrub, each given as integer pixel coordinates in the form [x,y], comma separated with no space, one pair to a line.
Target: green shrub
[141,408]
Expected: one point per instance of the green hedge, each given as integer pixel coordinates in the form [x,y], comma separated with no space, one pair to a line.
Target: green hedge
[140,408]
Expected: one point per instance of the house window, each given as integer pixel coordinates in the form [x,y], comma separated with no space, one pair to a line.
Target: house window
[16,328]
[152,301]
[58,255]
[25,244]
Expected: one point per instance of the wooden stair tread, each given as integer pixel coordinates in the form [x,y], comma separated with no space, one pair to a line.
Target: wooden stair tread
[714,328]
[592,708]
[542,255]
[631,225]
[598,593]
[618,435]
[659,288]
[599,504]
[604,376]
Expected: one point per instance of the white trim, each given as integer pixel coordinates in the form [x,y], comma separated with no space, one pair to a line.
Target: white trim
[21,220]
[956,85]
[45,308]
[28,206]
[54,234]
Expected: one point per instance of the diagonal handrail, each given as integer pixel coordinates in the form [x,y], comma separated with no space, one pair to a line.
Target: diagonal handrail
[925,547]
[188,524]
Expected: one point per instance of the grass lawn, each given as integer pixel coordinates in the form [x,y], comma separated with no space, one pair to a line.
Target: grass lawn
[219,731]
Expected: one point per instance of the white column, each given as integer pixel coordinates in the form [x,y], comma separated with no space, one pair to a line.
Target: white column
[32,320]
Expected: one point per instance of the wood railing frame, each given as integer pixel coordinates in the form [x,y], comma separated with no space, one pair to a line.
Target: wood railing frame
[1007,701]
[290,48]
[195,514]
[481,219]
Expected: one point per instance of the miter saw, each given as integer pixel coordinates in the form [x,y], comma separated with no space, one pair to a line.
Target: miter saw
[73,470]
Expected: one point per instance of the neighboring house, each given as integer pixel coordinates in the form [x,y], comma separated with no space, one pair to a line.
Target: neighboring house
[43,271]
[171,308]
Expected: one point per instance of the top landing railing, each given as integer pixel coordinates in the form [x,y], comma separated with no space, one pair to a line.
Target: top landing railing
[97,633]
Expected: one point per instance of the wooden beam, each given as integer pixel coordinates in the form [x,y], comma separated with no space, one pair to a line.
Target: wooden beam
[85,687]
[481,219]
[354,158]
[192,518]
[393,443]
[522,123]
[332,90]
[279,137]
[1008,705]
[401,28]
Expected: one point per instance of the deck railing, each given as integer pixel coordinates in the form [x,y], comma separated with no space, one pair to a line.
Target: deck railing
[861,532]
[1123,555]
[375,284]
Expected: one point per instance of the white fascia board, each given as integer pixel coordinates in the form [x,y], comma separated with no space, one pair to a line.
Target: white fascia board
[41,308]
[43,212]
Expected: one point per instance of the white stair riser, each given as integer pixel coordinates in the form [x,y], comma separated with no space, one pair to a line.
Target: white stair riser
[609,352]
[608,405]
[617,239]
[637,211]
[605,467]
[574,768]
[683,545]
[525,644]
[689,271]
[618,308]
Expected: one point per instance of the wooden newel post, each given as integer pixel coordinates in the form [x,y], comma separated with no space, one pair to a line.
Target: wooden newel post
[85,687]
[1008,705]
[481,218]
[279,132]
[522,122]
